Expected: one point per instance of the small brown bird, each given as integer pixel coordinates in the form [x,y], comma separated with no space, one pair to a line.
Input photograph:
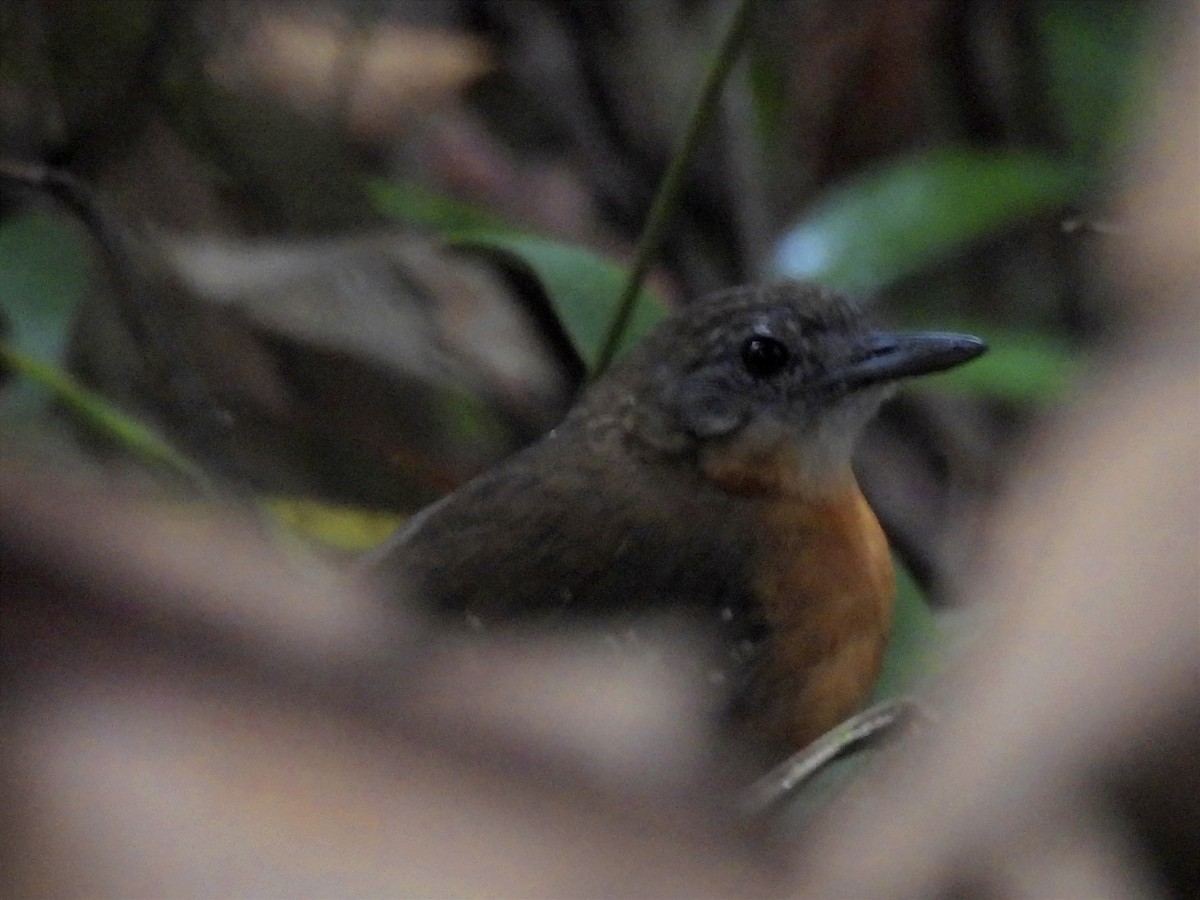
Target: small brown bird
[708,472]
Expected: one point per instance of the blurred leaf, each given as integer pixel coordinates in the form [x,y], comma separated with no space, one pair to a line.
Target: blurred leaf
[43,275]
[341,527]
[1019,366]
[896,220]
[100,414]
[1091,55]
[914,649]
[582,286]
[416,205]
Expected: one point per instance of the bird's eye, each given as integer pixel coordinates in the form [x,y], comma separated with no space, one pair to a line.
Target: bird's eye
[764,356]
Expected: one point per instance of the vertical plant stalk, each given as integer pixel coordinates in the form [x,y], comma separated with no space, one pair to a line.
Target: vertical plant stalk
[666,199]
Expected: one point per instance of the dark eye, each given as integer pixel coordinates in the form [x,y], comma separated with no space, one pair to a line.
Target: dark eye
[764,356]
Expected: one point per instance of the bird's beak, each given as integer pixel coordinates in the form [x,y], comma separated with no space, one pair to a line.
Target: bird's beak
[888,357]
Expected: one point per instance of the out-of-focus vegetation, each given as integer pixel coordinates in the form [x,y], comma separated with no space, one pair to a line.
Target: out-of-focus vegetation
[922,155]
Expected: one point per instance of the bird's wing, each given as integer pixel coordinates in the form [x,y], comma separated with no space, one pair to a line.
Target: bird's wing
[560,533]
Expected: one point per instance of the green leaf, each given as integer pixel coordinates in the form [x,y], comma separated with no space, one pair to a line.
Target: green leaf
[417,205]
[1020,366]
[340,527]
[582,286]
[43,275]
[893,221]
[1091,55]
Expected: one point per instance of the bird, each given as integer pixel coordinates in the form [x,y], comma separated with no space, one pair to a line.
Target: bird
[707,472]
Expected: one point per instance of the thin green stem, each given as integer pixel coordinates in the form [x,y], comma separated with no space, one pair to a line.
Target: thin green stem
[667,197]
[100,414]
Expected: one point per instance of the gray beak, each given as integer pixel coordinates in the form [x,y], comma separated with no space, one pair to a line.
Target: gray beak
[888,357]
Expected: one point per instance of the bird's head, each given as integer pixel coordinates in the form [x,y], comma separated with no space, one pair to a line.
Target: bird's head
[787,368]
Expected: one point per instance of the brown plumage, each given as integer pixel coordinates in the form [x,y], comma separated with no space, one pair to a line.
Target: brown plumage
[708,472]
